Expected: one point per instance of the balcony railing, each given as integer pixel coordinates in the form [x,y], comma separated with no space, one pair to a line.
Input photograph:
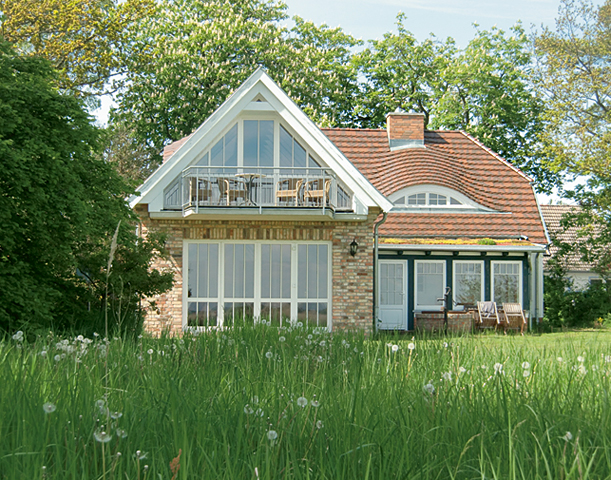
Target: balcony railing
[207,187]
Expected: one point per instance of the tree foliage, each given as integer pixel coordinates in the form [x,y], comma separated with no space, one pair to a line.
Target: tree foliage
[189,55]
[59,205]
[574,73]
[484,89]
[85,40]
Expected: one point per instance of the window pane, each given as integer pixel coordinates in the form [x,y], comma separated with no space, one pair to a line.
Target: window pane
[429,281]
[312,163]
[312,314]
[192,314]
[506,278]
[212,314]
[322,271]
[312,271]
[216,154]
[203,162]
[213,278]
[231,147]
[228,271]
[286,148]
[286,271]
[302,271]
[265,271]
[192,270]
[251,142]
[266,143]
[300,155]
[467,282]
[249,271]
[322,314]
[239,272]
[203,271]
[275,271]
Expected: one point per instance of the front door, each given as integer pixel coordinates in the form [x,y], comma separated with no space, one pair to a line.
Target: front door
[393,298]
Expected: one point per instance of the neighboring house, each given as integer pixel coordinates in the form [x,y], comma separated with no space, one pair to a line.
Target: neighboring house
[581,273]
[270,217]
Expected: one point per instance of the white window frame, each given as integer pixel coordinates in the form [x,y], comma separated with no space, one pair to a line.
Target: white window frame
[520,279]
[294,299]
[438,306]
[454,283]
[427,189]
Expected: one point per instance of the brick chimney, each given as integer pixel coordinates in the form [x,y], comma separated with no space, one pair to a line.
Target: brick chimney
[405,130]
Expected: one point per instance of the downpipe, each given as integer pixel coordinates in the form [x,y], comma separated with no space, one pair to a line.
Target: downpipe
[376,283]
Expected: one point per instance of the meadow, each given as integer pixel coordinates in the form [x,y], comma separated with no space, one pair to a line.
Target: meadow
[268,403]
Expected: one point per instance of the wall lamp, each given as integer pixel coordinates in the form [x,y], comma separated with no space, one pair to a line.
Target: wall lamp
[354,247]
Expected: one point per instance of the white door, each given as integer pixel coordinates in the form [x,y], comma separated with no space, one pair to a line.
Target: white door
[393,295]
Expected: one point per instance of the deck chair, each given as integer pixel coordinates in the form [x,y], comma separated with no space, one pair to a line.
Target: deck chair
[514,317]
[288,189]
[315,190]
[200,191]
[232,190]
[487,316]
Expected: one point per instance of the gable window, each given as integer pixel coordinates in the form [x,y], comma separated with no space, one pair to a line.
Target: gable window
[277,282]
[427,199]
[430,283]
[468,282]
[432,196]
[507,282]
[258,143]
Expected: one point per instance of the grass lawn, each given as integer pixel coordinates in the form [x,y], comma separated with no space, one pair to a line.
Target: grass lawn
[265,403]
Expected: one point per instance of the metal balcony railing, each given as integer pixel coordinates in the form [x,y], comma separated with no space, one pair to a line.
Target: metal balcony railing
[206,187]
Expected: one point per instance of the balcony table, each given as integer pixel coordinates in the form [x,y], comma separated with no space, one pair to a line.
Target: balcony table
[249,180]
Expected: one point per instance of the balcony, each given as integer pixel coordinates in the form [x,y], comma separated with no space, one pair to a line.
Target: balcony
[200,189]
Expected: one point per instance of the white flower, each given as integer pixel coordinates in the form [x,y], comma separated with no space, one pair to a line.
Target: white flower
[18,337]
[395,348]
[559,359]
[272,435]
[281,339]
[568,436]
[319,424]
[411,346]
[429,388]
[526,373]
[582,370]
[302,402]
[445,344]
[447,376]
[49,407]
[102,436]
[248,410]
[269,354]
[580,359]
[525,365]
[315,403]
[498,367]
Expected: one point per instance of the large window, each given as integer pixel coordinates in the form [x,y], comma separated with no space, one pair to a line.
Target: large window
[277,282]
[468,282]
[507,282]
[430,283]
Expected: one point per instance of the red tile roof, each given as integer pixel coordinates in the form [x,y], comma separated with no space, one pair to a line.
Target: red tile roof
[171,149]
[454,160]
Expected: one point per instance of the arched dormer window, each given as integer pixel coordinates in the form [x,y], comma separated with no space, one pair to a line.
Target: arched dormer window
[432,197]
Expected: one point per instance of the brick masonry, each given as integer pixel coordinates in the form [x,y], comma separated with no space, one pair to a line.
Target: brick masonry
[352,277]
[405,126]
[458,322]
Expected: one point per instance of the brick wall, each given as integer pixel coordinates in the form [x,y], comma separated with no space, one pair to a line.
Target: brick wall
[352,277]
[405,126]
[458,322]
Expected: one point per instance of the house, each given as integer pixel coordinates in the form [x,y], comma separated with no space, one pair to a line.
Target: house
[269,217]
[581,273]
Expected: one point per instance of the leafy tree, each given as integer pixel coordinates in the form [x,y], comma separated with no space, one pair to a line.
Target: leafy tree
[59,205]
[484,89]
[84,40]
[190,55]
[574,73]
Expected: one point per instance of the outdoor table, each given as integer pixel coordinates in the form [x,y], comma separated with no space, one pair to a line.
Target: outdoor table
[249,180]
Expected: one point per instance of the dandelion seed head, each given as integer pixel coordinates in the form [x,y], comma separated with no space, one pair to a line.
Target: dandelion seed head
[447,376]
[57,358]
[116,415]
[411,346]
[580,359]
[43,354]
[498,367]
[582,370]
[302,402]
[568,436]
[525,365]
[526,373]
[608,358]
[462,369]
[18,337]
[150,351]
[248,409]
[48,407]
[272,435]
[120,434]
[559,359]
[315,403]
[269,354]
[429,388]
[319,424]
[323,343]
[102,436]
[282,339]
[395,348]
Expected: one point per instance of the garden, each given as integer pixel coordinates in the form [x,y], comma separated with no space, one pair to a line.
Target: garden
[268,403]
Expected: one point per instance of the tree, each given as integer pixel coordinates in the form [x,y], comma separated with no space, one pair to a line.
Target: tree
[59,205]
[190,55]
[84,40]
[574,73]
[484,89]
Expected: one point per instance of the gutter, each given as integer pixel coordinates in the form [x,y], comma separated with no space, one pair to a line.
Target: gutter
[463,248]
[376,283]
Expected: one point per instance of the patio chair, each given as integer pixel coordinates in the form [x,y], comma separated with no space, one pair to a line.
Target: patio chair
[232,189]
[201,191]
[317,191]
[514,317]
[487,316]
[289,189]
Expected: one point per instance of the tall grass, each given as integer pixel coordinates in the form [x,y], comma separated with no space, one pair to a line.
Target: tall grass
[263,403]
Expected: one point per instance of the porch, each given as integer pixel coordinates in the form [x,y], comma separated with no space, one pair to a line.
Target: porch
[213,187]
